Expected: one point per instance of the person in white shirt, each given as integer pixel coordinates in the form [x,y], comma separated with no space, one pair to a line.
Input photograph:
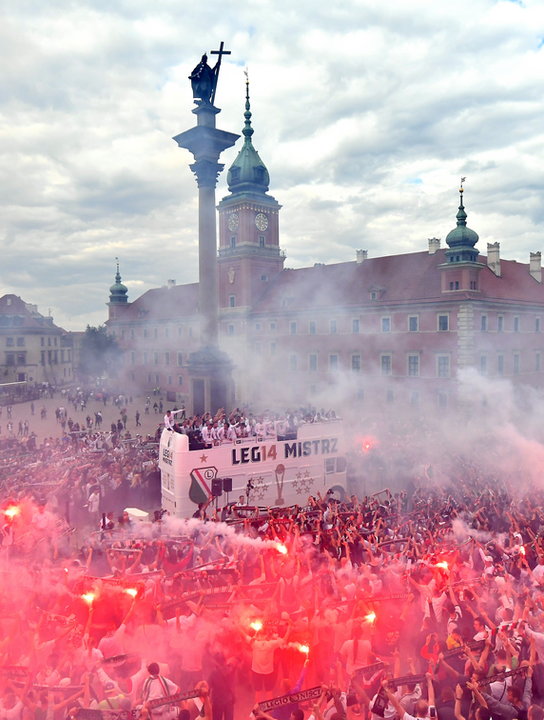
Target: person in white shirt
[169,418]
[156,687]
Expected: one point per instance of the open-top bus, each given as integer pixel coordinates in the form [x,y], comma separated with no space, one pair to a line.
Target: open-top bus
[271,471]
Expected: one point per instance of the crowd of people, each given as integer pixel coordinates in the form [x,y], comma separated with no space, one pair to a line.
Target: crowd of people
[82,474]
[227,427]
[423,604]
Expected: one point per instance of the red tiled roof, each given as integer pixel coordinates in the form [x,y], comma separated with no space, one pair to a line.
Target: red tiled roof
[17,315]
[398,279]
[163,303]
[412,277]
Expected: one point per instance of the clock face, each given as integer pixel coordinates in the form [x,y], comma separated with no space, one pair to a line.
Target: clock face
[261,221]
[233,221]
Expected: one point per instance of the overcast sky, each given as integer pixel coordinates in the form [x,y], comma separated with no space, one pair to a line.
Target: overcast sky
[366,113]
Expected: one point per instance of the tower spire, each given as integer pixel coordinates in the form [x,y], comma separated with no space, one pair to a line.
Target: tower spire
[248,173]
[247,132]
[118,291]
[461,240]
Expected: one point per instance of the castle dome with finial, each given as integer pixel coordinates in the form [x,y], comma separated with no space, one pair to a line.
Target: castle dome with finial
[118,291]
[461,235]
[248,173]
[461,240]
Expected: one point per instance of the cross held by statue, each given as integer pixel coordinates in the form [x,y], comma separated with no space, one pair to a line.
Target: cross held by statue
[219,52]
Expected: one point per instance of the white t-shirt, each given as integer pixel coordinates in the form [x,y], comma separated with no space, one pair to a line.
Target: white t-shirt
[263,655]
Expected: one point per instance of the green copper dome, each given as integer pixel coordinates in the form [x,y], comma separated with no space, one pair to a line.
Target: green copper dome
[248,173]
[461,240]
[462,235]
[118,291]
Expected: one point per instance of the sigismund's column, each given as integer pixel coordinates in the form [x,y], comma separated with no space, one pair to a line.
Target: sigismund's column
[209,368]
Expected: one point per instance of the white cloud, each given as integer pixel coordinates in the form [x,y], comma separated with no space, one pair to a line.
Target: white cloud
[365,113]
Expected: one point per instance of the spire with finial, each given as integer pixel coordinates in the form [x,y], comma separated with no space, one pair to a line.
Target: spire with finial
[461,240]
[118,291]
[247,132]
[248,173]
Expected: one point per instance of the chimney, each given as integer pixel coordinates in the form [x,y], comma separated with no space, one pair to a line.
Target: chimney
[434,245]
[361,256]
[170,284]
[494,258]
[535,265]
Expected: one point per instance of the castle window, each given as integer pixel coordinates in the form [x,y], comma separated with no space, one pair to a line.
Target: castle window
[442,400]
[233,241]
[483,323]
[516,324]
[413,365]
[312,362]
[443,323]
[443,366]
[312,327]
[386,324]
[355,326]
[261,241]
[413,323]
[232,300]
[386,364]
[356,363]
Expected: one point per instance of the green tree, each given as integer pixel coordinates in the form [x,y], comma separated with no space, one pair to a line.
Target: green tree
[100,354]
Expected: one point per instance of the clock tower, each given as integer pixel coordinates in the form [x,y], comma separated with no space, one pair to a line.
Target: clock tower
[249,251]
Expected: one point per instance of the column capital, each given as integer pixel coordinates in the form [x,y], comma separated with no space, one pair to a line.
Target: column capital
[206,172]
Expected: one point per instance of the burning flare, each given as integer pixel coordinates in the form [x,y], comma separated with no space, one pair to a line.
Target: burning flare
[366,444]
[131,591]
[442,564]
[256,625]
[371,617]
[281,548]
[303,648]
[88,597]
[12,511]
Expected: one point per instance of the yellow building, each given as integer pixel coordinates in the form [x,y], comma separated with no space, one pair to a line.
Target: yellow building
[32,348]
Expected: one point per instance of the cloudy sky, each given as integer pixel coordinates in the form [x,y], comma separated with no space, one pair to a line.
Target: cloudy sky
[366,113]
